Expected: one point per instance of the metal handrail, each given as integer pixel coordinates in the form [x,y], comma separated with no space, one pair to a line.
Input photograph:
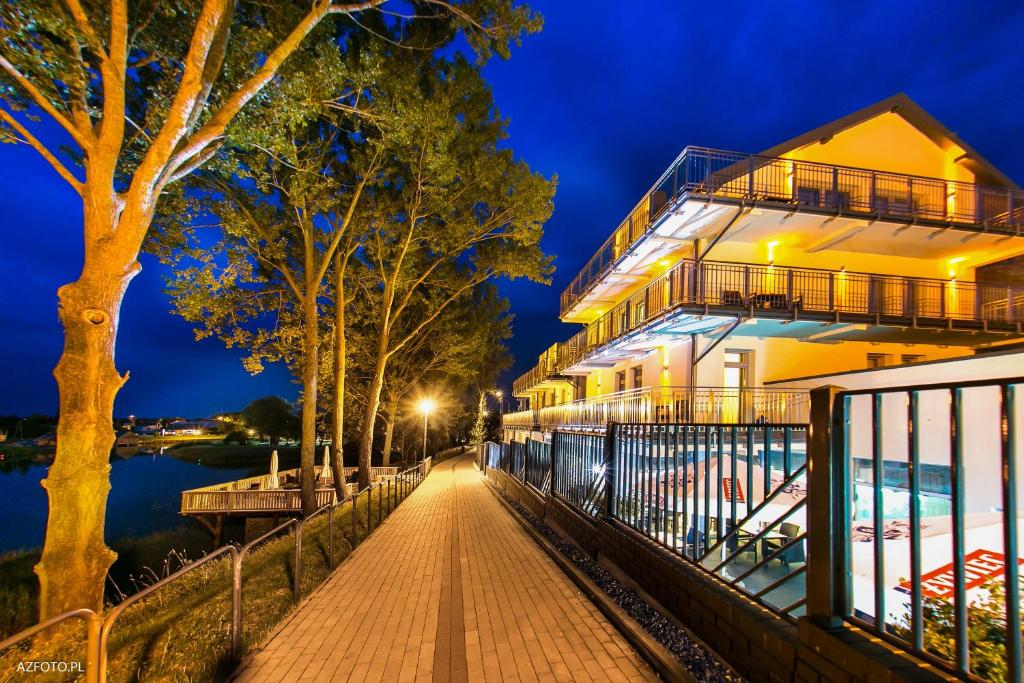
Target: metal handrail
[111,617]
[93,625]
[99,627]
[708,173]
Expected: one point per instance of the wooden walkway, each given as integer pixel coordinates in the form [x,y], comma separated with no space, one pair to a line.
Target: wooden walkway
[450,588]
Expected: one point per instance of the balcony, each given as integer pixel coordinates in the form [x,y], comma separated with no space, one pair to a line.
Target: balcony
[730,177]
[709,291]
[546,370]
[711,405]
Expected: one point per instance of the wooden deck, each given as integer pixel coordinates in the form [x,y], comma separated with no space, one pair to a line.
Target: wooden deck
[253,495]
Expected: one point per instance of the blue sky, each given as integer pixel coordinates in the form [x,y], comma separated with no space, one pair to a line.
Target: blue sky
[606,96]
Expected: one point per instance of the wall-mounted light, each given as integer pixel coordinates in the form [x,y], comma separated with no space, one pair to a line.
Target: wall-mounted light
[952,263]
[771,251]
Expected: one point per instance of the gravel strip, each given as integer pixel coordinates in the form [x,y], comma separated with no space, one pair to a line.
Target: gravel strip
[693,655]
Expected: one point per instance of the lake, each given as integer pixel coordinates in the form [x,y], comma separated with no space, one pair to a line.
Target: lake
[145,496]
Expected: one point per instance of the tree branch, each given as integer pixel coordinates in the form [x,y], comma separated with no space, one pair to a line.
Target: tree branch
[30,139]
[82,138]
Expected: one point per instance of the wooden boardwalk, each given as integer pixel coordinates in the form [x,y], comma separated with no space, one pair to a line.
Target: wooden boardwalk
[450,588]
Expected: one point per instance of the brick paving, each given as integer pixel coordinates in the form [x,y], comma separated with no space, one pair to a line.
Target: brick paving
[449,588]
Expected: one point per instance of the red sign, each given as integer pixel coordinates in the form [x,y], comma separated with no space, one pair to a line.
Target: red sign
[979,567]
[727,484]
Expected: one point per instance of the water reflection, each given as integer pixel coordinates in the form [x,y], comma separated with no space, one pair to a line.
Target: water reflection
[145,494]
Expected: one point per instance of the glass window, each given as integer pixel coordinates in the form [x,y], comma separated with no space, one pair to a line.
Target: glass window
[638,377]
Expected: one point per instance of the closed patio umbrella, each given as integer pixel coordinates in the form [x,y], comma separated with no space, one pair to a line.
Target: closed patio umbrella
[325,471]
[272,480]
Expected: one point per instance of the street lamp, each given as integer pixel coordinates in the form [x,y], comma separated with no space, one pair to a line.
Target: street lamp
[426,406]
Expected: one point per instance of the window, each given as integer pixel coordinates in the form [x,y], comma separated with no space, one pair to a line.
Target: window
[737,363]
[912,357]
[620,381]
[877,360]
[638,376]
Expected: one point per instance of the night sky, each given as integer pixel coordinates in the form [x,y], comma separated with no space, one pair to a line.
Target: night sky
[606,96]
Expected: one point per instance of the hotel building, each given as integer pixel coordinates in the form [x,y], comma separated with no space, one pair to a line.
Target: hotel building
[879,239]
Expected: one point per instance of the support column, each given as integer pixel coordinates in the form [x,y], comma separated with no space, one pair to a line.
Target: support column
[827,514]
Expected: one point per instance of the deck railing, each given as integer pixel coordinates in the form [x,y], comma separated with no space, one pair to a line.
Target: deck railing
[670,404]
[813,293]
[925,548]
[253,494]
[733,176]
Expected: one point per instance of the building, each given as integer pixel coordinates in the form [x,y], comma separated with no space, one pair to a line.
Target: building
[879,239]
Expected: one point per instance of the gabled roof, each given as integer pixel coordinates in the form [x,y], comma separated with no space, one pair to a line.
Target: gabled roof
[984,171]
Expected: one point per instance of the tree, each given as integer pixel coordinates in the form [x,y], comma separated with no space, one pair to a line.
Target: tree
[271,416]
[146,94]
[283,218]
[457,211]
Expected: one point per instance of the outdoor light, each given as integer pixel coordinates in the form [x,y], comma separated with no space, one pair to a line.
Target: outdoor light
[953,265]
[426,406]
[598,470]
[771,251]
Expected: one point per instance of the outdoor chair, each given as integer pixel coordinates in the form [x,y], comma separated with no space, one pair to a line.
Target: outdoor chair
[795,553]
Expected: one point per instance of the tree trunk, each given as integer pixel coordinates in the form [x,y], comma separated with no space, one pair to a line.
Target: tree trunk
[310,378]
[370,412]
[389,430]
[75,559]
[338,424]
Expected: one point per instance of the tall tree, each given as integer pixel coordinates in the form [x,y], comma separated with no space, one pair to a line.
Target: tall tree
[282,218]
[145,93]
[457,210]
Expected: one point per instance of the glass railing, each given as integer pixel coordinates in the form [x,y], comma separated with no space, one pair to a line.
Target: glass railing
[713,405]
[806,186]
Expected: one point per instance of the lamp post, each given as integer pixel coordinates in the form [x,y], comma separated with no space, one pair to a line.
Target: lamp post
[426,406]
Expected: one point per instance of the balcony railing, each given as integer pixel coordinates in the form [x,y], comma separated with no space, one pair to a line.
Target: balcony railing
[546,368]
[713,405]
[806,185]
[783,292]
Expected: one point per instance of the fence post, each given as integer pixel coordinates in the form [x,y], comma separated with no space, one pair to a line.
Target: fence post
[551,465]
[93,626]
[609,470]
[297,579]
[827,516]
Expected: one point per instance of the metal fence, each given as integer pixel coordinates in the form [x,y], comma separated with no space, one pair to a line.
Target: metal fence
[389,493]
[730,497]
[579,471]
[733,176]
[928,519]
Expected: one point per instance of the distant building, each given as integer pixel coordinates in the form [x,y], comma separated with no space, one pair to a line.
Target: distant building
[128,440]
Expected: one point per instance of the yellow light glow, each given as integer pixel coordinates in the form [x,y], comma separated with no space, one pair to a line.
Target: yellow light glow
[953,265]
[771,250]
[498,393]
[663,263]
[426,405]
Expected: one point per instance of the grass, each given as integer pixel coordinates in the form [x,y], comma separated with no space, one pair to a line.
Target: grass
[182,631]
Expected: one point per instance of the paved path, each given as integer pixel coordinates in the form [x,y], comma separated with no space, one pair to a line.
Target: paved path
[455,590]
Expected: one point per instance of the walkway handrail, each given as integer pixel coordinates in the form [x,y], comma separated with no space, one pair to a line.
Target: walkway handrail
[111,617]
[100,626]
[93,625]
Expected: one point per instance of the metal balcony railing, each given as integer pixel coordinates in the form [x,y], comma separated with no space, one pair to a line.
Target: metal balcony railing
[715,405]
[546,368]
[733,176]
[810,293]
